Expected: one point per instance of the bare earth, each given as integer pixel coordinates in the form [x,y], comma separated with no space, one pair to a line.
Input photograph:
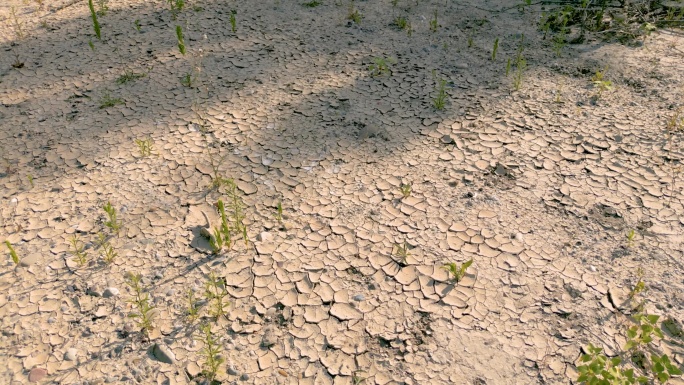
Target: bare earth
[539,187]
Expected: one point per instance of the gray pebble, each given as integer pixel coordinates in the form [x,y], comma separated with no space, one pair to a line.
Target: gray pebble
[110,292]
[359,297]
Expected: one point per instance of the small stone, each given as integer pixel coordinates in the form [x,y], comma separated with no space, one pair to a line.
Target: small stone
[71,354]
[163,354]
[244,377]
[359,297]
[446,139]
[37,374]
[110,292]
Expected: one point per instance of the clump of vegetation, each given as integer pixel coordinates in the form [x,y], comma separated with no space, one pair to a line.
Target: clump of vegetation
[78,251]
[129,76]
[176,7]
[496,48]
[405,189]
[520,66]
[381,66]
[402,251]
[439,100]
[96,24]
[144,146]
[233,22]
[279,212]
[181,40]
[192,312]
[221,236]
[211,351]
[137,25]
[601,85]
[401,22]
[354,14]
[141,302]
[13,253]
[434,24]
[107,251]
[456,271]
[216,293]
[112,222]
[108,101]
[312,3]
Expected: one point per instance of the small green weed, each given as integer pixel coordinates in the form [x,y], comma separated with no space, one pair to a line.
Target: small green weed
[187,80]
[181,40]
[395,2]
[112,222]
[457,271]
[402,251]
[129,76]
[434,24]
[381,66]
[78,251]
[354,14]
[470,41]
[211,351]
[599,369]
[520,66]
[405,190]
[631,234]
[508,67]
[144,146]
[357,379]
[236,209]
[138,27]
[401,22]
[312,4]
[279,212]
[107,251]
[141,301]
[496,47]
[216,293]
[30,179]
[102,7]
[601,85]
[192,312]
[108,101]
[222,235]
[440,100]
[233,22]
[639,286]
[93,16]
[91,45]
[176,7]
[13,254]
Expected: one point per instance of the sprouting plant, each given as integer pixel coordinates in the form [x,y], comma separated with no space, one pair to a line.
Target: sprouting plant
[112,222]
[13,253]
[381,66]
[559,93]
[141,301]
[108,101]
[129,76]
[405,190]
[192,312]
[78,250]
[434,24]
[457,271]
[600,84]
[222,235]
[215,292]
[91,45]
[144,146]
[599,369]
[30,179]
[181,41]
[279,212]
[102,7]
[631,234]
[470,41]
[18,25]
[520,65]
[236,208]
[233,22]
[353,13]
[496,47]
[186,80]
[401,251]
[96,24]
[211,352]
[176,7]
[401,22]
[137,25]
[440,100]
[674,128]
[395,2]
[357,379]
[107,251]
[312,3]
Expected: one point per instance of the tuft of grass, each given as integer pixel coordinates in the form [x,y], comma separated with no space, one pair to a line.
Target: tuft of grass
[215,292]
[401,22]
[520,65]
[279,212]
[176,7]
[112,222]
[144,146]
[354,14]
[102,7]
[222,236]
[401,251]
[440,100]
[78,251]
[496,48]
[187,80]
[13,253]
[601,85]
[108,101]
[233,22]
[141,302]
[434,24]
[312,4]
[211,351]
[457,271]
[129,76]
[381,66]
[192,312]
[93,16]
[405,190]
[137,25]
[181,41]
[107,251]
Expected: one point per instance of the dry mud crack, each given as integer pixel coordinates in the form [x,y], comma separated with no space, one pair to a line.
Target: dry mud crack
[540,187]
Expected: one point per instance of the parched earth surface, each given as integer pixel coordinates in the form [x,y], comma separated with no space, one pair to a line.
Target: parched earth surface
[540,187]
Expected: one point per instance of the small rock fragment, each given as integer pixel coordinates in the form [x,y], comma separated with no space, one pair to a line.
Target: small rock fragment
[163,354]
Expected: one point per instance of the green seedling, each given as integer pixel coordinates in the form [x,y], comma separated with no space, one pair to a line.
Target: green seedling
[176,7]
[91,45]
[141,301]
[279,212]
[470,41]
[144,146]
[401,22]
[357,379]
[137,25]
[508,67]
[631,234]
[216,293]
[643,332]
[129,76]
[233,22]
[112,222]
[235,208]
[96,24]
[402,251]
[30,179]
[381,66]
[405,190]
[520,66]
[211,351]
[78,251]
[102,7]
[600,84]
[181,41]
[496,47]
[599,369]
[13,254]
[354,14]
[312,3]
[186,80]
[192,311]
[222,235]
[434,24]
[440,100]
[107,251]
[457,271]
[108,101]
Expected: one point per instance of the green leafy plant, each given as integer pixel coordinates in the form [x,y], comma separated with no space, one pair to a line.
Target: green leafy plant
[221,236]
[30,179]
[141,301]
[137,25]
[402,251]
[440,100]
[96,24]
[279,212]
[112,222]
[508,67]
[186,80]
[216,293]
[144,146]
[401,22]
[470,41]
[233,22]
[13,253]
[107,251]
[78,251]
[601,85]
[192,312]
[353,13]
[181,41]
[631,234]
[312,3]
[434,24]
[102,7]
[496,48]
[457,271]
[129,76]
[108,101]
[176,7]
[211,351]
[381,66]
[405,190]
[597,369]
[520,66]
